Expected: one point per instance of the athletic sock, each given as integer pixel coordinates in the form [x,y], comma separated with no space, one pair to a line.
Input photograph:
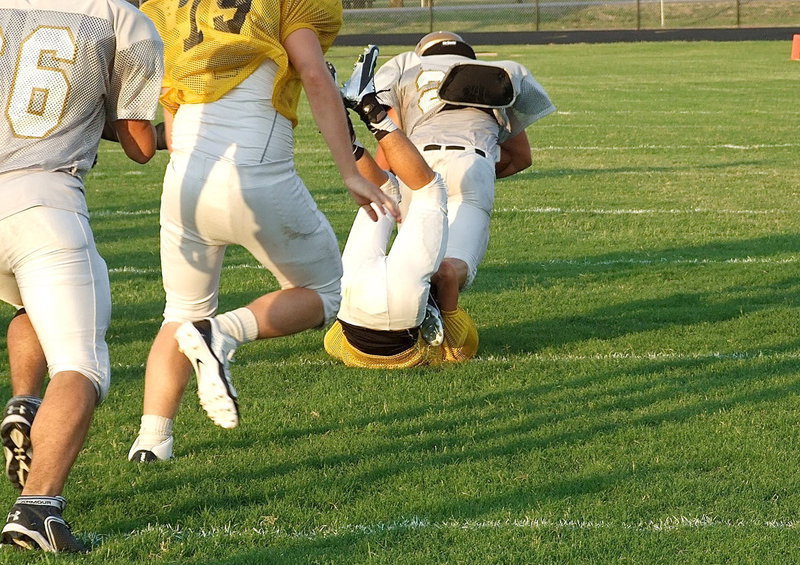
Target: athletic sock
[37,400]
[154,430]
[240,324]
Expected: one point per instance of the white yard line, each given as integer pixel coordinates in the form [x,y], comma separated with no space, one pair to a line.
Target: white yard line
[565,357]
[535,210]
[648,146]
[157,270]
[664,261]
[643,356]
[636,211]
[669,523]
[584,262]
[112,213]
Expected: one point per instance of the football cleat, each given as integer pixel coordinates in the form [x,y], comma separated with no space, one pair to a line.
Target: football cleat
[35,522]
[15,432]
[210,351]
[359,94]
[159,452]
[334,74]
[362,81]
[432,326]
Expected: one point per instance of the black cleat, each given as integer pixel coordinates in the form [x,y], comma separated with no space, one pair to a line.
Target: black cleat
[15,432]
[35,522]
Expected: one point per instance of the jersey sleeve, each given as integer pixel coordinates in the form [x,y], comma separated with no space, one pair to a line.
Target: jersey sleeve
[138,68]
[324,17]
[387,81]
[531,102]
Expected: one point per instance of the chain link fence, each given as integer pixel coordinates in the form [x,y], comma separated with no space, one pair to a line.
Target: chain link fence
[466,16]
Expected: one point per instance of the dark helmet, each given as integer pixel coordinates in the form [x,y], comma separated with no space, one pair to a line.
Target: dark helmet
[443,43]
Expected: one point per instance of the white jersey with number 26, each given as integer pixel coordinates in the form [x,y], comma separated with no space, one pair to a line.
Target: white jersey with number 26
[65,69]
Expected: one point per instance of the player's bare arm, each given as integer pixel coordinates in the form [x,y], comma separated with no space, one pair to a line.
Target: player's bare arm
[169,117]
[137,138]
[515,156]
[305,55]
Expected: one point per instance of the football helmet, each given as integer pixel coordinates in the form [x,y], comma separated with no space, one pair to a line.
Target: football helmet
[444,43]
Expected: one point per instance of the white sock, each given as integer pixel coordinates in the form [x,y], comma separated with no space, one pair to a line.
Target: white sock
[240,324]
[154,430]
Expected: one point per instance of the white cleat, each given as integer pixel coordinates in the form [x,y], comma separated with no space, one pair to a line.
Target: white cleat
[362,81]
[210,351]
[159,452]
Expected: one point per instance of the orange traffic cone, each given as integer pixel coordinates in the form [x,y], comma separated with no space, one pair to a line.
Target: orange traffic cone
[795,47]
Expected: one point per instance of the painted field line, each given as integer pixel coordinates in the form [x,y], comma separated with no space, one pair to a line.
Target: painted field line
[637,211]
[647,112]
[536,210]
[157,270]
[557,358]
[575,262]
[112,213]
[178,533]
[644,356]
[664,261]
[647,146]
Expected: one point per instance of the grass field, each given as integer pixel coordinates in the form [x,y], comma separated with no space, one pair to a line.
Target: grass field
[635,398]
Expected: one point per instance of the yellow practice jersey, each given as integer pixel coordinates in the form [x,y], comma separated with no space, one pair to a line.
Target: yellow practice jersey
[211,46]
[460,344]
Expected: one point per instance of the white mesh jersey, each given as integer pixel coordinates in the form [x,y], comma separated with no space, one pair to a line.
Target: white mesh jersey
[410,84]
[65,69]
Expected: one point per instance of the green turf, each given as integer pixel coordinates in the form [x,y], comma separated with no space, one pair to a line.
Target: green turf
[635,398]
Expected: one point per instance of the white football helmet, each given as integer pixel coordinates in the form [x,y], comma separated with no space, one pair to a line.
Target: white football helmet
[443,43]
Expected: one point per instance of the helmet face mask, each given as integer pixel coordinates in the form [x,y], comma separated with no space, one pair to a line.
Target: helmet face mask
[444,43]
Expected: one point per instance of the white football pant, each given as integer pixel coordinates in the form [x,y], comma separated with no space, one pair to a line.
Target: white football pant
[49,264]
[231,180]
[470,182]
[383,291]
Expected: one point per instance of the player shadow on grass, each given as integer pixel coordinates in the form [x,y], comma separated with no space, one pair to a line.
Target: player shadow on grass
[726,302]
[529,427]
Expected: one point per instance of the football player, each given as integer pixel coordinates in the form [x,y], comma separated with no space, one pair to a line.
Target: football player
[232,82]
[385,295]
[468,119]
[69,70]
